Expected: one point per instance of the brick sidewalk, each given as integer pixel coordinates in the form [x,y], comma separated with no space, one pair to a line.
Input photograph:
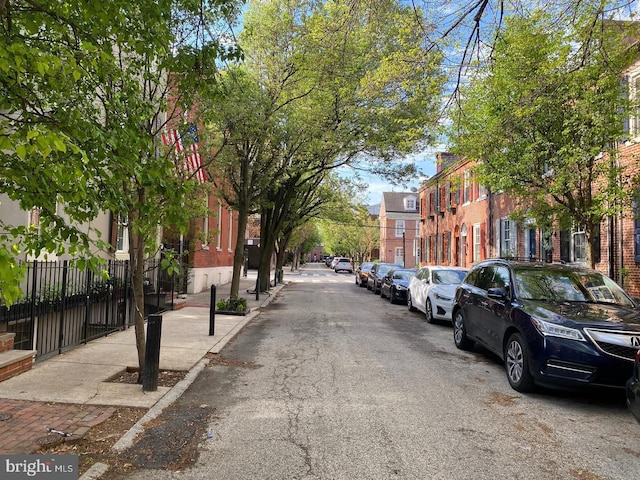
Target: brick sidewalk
[24,425]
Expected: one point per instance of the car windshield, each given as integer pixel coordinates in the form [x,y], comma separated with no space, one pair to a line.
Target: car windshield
[403,275]
[448,277]
[569,286]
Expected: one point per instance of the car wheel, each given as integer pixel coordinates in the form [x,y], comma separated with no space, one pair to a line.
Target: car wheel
[429,311]
[460,332]
[409,303]
[516,360]
[392,296]
[382,295]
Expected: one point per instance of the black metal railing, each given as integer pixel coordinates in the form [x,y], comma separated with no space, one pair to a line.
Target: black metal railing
[64,305]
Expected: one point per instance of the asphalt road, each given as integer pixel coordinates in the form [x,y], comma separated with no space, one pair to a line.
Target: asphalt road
[332,382]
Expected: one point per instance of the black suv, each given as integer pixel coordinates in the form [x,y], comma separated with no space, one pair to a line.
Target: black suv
[551,324]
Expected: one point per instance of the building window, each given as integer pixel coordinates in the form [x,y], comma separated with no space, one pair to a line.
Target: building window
[409,203]
[427,249]
[399,256]
[399,228]
[205,225]
[477,245]
[508,235]
[467,187]
[230,239]
[633,126]
[579,246]
[219,228]
[122,240]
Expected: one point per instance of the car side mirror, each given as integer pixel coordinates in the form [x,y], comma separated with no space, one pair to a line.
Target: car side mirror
[497,293]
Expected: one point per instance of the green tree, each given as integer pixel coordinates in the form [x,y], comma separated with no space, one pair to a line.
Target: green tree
[542,114]
[86,90]
[330,85]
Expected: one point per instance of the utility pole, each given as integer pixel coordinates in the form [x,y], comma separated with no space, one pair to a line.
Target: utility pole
[404,251]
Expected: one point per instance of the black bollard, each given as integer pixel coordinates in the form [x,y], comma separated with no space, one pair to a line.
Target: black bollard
[212,312]
[152,354]
[257,288]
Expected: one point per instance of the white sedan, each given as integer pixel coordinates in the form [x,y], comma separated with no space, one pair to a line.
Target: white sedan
[432,289]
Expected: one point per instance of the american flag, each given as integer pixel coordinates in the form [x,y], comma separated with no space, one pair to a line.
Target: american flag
[193,163]
[186,140]
[172,138]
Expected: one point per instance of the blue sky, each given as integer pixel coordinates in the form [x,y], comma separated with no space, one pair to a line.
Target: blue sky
[425,162]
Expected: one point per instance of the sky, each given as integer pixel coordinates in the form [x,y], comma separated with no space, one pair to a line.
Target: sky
[425,162]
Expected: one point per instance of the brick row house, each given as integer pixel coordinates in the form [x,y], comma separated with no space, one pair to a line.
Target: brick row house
[461,223]
[399,233]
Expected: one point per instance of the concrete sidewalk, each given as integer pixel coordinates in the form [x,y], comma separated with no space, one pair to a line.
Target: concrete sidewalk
[81,376]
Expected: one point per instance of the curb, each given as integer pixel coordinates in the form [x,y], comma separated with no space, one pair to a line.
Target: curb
[127,440]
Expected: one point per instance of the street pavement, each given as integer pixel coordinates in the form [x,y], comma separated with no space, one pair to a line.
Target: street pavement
[66,395]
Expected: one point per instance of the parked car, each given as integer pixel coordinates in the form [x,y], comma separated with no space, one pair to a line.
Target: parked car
[633,389]
[362,273]
[551,324]
[328,260]
[343,265]
[379,270]
[432,289]
[394,284]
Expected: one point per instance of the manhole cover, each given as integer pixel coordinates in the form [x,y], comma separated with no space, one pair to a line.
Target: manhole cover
[50,440]
[5,416]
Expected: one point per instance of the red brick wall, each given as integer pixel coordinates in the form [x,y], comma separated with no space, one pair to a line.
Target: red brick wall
[17,368]
[210,255]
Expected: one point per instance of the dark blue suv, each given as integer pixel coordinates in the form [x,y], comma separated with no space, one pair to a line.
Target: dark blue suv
[553,325]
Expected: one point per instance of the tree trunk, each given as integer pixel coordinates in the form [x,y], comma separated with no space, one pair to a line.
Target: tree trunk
[137,274]
[238,255]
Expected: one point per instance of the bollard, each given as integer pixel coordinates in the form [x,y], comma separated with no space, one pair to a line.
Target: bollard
[257,288]
[152,354]
[212,312]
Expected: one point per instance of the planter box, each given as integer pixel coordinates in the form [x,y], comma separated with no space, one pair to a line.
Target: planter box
[229,312]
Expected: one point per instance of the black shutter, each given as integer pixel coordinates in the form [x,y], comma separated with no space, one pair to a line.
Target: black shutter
[565,251]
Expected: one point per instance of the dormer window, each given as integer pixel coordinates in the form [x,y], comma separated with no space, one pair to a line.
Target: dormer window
[410,203]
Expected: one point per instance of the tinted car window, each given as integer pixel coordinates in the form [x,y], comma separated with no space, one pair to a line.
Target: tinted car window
[484,278]
[402,275]
[448,277]
[568,286]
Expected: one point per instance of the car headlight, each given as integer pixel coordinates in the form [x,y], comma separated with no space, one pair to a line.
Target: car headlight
[439,296]
[555,330]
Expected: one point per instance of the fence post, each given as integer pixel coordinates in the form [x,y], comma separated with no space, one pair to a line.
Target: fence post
[152,354]
[63,298]
[212,311]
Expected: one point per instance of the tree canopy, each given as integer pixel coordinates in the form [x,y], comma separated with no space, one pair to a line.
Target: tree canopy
[540,117]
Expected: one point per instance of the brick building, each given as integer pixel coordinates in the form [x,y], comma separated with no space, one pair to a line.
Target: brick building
[399,239]
[461,223]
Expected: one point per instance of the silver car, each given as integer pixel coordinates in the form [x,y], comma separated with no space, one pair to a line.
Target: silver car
[432,289]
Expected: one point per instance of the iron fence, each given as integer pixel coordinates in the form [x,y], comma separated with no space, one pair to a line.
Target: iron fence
[64,306]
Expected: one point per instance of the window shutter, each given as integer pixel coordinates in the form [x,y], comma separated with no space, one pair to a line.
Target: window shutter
[483,241]
[636,231]
[596,245]
[113,231]
[565,246]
